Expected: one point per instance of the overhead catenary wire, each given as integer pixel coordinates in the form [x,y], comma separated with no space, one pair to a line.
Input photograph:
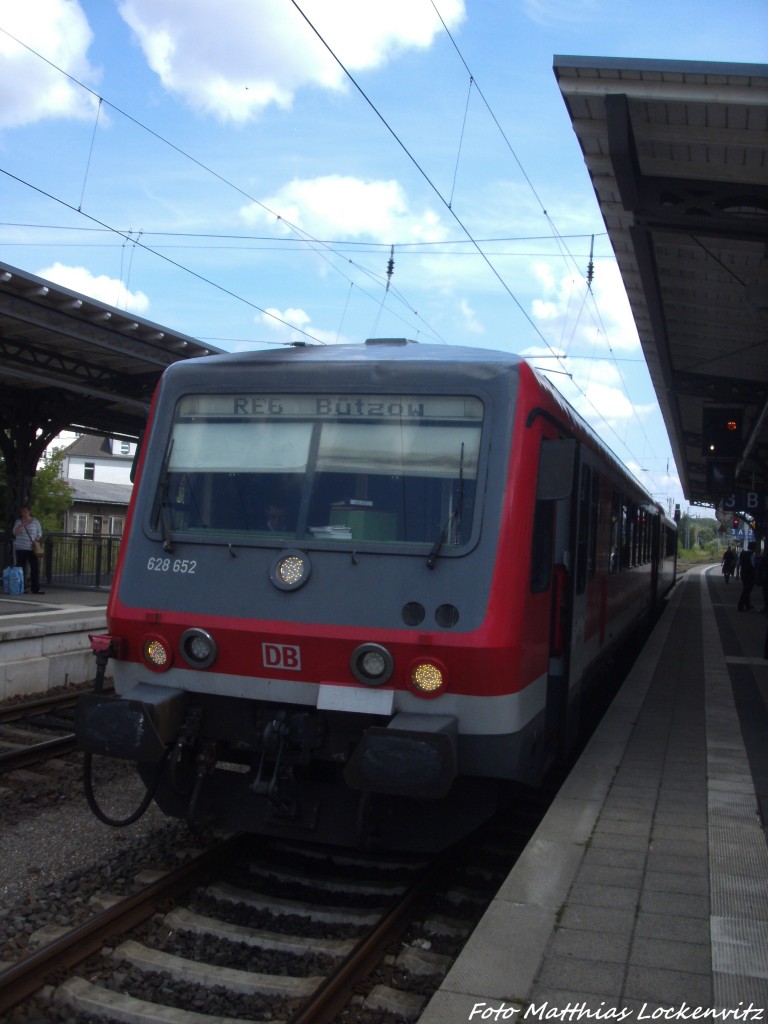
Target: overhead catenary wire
[453,213]
[461,142]
[300,233]
[590,265]
[141,245]
[424,175]
[304,237]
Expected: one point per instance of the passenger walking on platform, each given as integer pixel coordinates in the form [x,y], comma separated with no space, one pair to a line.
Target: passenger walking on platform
[27,534]
[747,572]
[728,563]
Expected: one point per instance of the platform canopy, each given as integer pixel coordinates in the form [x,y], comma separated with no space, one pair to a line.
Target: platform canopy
[80,363]
[678,156]
[70,362]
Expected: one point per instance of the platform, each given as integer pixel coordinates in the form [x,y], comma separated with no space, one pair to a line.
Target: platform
[44,639]
[644,893]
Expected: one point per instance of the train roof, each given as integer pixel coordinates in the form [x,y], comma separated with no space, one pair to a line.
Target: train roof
[373,350]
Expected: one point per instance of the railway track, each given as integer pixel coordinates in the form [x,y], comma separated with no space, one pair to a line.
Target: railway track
[26,727]
[251,930]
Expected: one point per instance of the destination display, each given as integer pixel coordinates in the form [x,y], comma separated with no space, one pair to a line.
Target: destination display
[369,407]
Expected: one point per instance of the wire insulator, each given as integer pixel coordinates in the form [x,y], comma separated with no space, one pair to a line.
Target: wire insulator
[591,264]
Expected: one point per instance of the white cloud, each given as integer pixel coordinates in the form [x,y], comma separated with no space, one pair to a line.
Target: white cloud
[339,206]
[30,88]
[602,402]
[557,13]
[469,319]
[105,289]
[290,325]
[596,324]
[234,58]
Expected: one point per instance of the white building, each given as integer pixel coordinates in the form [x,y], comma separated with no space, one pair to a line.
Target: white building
[103,459]
[98,470]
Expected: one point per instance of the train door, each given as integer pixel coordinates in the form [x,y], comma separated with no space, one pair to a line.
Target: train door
[555,537]
[587,606]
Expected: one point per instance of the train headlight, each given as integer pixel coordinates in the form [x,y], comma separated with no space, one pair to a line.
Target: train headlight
[198,648]
[290,571]
[428,678]
[157,653]
[371,664]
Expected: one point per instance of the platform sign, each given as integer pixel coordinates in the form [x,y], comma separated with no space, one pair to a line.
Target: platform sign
[753,503]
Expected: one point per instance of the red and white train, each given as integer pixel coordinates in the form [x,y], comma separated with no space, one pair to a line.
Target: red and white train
[364,587]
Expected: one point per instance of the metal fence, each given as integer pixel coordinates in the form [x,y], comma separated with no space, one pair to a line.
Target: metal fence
[79,559]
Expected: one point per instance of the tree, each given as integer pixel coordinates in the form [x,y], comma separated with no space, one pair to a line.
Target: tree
[51,494]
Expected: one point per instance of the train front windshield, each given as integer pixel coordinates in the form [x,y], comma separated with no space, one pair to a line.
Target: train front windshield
[385,469]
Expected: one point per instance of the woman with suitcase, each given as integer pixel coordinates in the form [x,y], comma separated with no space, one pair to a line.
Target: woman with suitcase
[27,534]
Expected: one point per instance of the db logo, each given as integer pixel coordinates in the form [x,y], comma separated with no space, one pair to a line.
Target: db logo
[285,656]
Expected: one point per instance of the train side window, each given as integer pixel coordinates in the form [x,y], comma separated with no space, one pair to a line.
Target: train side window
[634,534]
[645,545]
[542,546]
[594,518]
[586,547]
[671,548]
[582,541]
[625,552]
[615,544]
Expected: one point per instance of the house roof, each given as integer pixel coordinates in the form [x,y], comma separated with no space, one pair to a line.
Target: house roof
[91,445]
[97,493]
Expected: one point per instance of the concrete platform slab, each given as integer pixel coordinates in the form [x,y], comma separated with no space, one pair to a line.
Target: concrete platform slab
[646,887]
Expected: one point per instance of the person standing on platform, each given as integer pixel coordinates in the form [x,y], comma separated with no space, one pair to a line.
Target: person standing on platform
[761,576]
[27,534]
[747,573]
[728,563]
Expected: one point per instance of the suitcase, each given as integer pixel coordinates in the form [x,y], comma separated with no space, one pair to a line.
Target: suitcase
[13,580]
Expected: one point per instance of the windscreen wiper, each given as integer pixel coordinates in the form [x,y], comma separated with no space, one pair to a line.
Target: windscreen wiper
[454,519]
[164,512]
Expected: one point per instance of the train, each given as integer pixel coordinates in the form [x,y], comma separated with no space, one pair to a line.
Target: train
[364,589]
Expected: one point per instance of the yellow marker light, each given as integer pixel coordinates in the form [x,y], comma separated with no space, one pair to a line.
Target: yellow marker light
[427,678]
[156,653]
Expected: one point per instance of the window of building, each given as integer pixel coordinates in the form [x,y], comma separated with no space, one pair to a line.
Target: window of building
[116,526]
[79,522]
[89,471]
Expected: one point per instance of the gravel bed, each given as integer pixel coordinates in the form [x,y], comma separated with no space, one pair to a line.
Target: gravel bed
[56,858]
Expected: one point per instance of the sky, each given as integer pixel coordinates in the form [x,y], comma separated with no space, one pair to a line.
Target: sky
[256,172]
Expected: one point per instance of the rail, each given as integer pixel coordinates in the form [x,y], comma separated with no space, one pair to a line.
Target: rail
[34,753]
[11,760]
[22,979]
